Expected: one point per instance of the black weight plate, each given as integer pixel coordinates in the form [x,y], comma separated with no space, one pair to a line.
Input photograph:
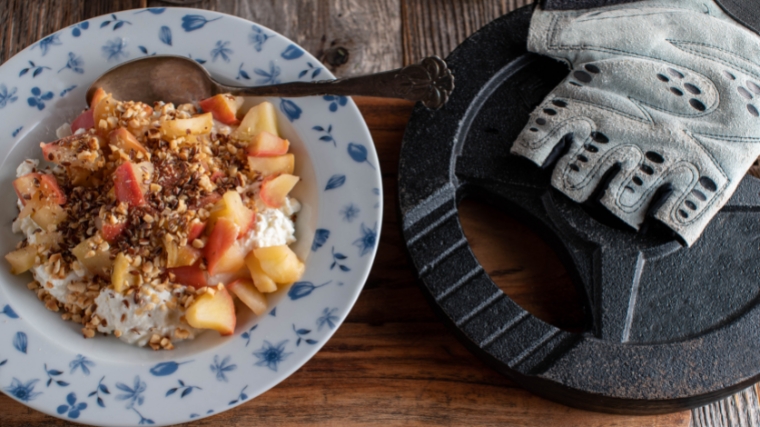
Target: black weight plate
[671,327]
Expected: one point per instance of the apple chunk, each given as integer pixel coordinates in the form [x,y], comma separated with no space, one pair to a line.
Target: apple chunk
[111,232]
[196,229]
[120,277]
[215,312]
[262,282]
[124,140]
[223,254]
[280,263]
[93,259]
[83,121]
[189,276]
[223,107]
[261,118]
[196,125]
[265,144]
[231,207]
[128,184]
[272,165]
[21,260]
[251,297]
[274,190]
[49,215]
[39,187]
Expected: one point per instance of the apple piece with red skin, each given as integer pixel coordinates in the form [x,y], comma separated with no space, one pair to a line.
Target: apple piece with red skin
[249,295]
[38,186]
[196,229]
[261,118]
[111,232]
[223,107]
[123,139]
[215,312]
[83,121]
[65,150]
[222,239]
[275,189]
[86,120]
[127,185]
[265,144]
[232,207]
[97,96]
[272,165]
[196,125]
[191,275]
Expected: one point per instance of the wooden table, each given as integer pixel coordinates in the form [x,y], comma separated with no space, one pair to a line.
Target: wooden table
[392,362]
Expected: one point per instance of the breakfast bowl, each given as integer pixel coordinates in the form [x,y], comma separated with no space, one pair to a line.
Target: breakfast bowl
[46,364]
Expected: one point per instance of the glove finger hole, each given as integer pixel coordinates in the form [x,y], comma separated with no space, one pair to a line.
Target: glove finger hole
[654,157]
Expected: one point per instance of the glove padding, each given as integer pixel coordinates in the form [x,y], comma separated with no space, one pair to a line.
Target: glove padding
[666,90]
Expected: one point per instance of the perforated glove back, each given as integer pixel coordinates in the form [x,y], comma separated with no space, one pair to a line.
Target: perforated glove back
[666,90]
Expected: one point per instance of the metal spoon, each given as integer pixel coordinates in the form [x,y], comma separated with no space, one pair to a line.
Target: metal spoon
[179,80]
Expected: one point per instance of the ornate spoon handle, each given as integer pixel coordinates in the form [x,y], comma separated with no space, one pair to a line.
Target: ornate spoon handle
[429,81]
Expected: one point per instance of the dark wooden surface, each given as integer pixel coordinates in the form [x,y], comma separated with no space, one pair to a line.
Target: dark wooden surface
[392,362]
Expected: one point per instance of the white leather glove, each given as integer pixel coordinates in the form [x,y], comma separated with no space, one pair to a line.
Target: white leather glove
[667,90]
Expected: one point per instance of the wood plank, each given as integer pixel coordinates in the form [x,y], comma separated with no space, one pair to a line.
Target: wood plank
[349,36]
[436,27]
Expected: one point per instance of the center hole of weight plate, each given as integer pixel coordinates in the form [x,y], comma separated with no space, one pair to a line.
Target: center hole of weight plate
[523,266]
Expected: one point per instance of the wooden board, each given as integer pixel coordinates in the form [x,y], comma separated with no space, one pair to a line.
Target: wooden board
[392,362]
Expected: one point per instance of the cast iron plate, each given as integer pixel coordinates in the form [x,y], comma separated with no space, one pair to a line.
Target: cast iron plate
[671,327]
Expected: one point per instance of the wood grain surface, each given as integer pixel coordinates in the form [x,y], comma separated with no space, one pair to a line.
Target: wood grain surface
[392,362]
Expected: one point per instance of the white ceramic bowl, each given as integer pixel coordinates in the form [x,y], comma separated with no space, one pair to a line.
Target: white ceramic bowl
[44,361]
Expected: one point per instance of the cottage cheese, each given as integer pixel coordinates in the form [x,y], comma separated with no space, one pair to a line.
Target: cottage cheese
[139,322]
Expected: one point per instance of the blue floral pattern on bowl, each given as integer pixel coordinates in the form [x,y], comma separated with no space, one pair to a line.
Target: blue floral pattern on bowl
[43,361]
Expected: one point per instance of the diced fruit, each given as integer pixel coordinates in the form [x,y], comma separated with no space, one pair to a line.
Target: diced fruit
[127,184]
[93,259]
[261,118]
[50,240]
[265,144]
[83,121]
[38,186]
[224,107]
[280,263]
[215,312]
[262,282]
[120,273]
[231,207]
[272,165]
[187,255]
[251,297]
[111,232]
[66,151]
[217,176]
[232,261]
[180,256]
[105,108]
[30,207]
[189,276]
[123,139]
[196,125]
[49,214]
[196,229]
[97,96]
[220,243]
[22,260]
[275,190]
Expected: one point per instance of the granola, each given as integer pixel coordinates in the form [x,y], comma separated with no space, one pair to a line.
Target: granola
[151,218]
